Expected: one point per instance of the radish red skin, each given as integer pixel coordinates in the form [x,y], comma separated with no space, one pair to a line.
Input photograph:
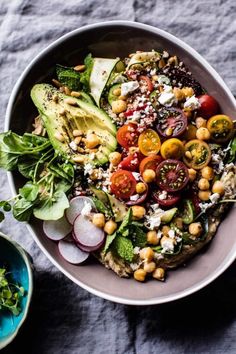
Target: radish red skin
[71,253]
[86,248]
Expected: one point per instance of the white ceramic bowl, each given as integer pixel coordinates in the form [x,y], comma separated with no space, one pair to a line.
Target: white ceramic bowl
[111,39]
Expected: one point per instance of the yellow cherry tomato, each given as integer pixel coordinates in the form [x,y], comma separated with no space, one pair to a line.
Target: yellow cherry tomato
[197,154]
[149,142]
[221,128]
[172,149]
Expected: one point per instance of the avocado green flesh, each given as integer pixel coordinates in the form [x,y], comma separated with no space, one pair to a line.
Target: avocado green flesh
[84,116]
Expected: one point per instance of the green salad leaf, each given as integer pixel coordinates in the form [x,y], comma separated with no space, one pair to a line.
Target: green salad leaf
[109,240]
[123,247]
[68,77]
[124,227]
[231,156]
[85,76]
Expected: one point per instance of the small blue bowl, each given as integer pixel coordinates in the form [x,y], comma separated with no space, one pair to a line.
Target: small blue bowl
[20,265]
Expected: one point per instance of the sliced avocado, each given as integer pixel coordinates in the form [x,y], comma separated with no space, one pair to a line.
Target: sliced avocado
[60,119]
[111,96]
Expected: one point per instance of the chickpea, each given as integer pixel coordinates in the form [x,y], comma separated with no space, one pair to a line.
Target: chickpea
[117,92]
[201,122]
[203,134]
[149,176]
[195,229]
[179,95]
[165,229]
[124,98]
[59,136]
[166,239]
[77,140]
[138,212]
[92,140]
[204,195]
[147,254]
[118,106]
[169,131]
[115,158]
[99,220]
[207,172]
[140,275]
[78,159]
[188,112]
[192,174]
[77,132]
[152,238]
[178,222]
[149,267]
[110,227]
[159,274]
[187,91]
[140,187]
[203,184]
[218,187]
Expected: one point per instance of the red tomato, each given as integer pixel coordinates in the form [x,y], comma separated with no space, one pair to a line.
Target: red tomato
[127,135]
[130,163]
[209,106]
[171,198]
[147,81]
[172,175]
[150,162]
[123,184]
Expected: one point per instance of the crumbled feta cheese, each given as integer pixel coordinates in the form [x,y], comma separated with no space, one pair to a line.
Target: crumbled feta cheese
[165,54]
[134,197]
[153,71]
[154,222]
[153,218]
[168,245]
[162,79]
[136,175]
[171,233]
[167,88]
[166,98]
[86,209]
[73,145]
[136,250]
[158,256]
[159,234]
[214,197]
[88,168]
[92,156]
[128,87]
[163,195]
[192,103]
[136,116]
[134,266]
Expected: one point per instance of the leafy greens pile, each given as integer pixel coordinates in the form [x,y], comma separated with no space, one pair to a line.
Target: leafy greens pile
[10,293]
[49,177]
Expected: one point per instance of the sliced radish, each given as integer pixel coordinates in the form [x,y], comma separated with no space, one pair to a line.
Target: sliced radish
[71,253]
[87,248]
[56,230]
[87,234]
[76,206]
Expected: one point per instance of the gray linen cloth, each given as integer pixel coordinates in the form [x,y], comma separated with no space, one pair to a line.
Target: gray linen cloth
[64,318]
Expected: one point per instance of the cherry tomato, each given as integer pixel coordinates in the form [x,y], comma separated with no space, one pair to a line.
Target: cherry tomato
[172,175]
[130,163]
[221,128]
[123,184]
[199,154]
[171,198]
[172,122]
[150,163]
[149,142]
[127,135]
[172,149]
[209,106]
[147,81]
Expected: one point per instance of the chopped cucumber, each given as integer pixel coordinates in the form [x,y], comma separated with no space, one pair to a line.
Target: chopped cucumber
[168,215]
[187,212]
[142,58]
[111,96]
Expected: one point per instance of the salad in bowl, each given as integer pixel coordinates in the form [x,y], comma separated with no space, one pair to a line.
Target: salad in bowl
[129,160]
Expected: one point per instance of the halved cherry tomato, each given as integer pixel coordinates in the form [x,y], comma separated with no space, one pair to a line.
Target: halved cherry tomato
[221,128]
[209,106]
[172,175]
[130,163]
[199,154]
[172,149]
[149,142]
[123,184]
[127,135]
[150,163]
[170,200]
[141,198]
[147,81]
[172,122]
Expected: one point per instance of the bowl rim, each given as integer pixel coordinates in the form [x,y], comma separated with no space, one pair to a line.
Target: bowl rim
[122,300]
[29,267]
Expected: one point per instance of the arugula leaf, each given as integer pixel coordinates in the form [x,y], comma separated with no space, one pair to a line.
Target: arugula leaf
[124,227]
[29,191]
[52,208]
[22,209]
[109,240]
[27,167]
[232,152]
[123,247]
[85,76]
[68,77]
